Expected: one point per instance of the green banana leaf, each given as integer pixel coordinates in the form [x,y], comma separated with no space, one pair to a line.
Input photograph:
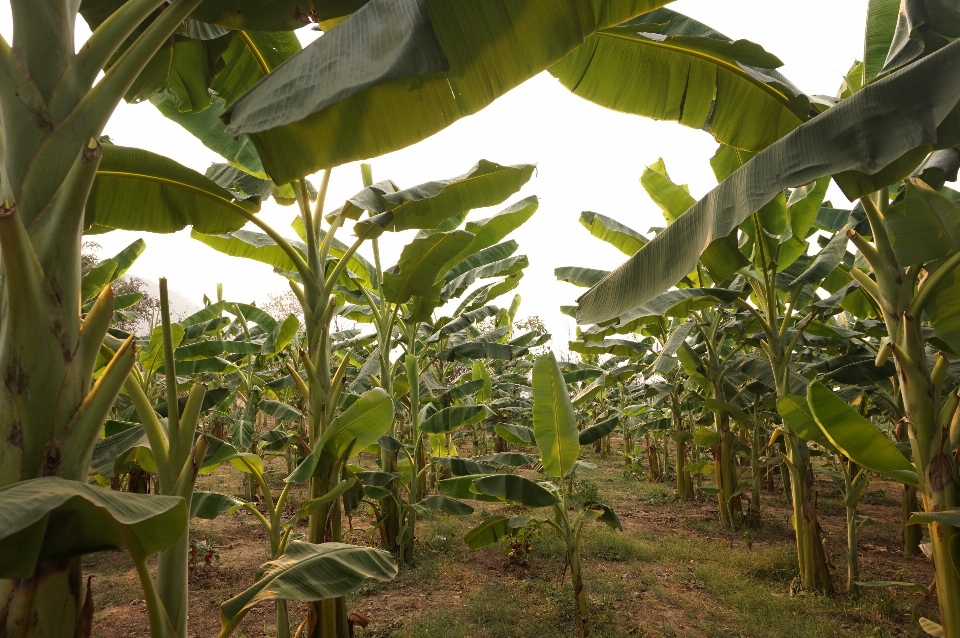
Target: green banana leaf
[210,505]
[881,24]
[624,239]
[280,411]
[489,532]
[481,350]
[666,66]
[360,425]
[460,487]
[515,489]
[841,139]
[447,505]
[251,245]
[354,430]
[481,258]
[419,64]
[214,348]
[554,422]
[722,258]
[139,190]
[583,277]
[598,431]
[428,205]
[857,438]
[421,263]
[923,225]
[452,418]
[464,467]
[491,230]
[273,15]
[279,339]
[310,572]
[796,415]
[516,434]
[51,519]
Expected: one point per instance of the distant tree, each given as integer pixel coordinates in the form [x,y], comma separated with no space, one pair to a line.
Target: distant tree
[284,304]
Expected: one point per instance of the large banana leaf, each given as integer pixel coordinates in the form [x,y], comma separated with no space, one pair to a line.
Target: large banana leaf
[463,321]
[139,190]
[429,204]
[358,263]
[109,270]
[865,132]
[210,505]
[481,350]
[481,258]
[943,311]
[447,505]
[597,431]
[207,127]
[214,348]
[501,268]
[354,430]
[796,415]
[856,437]
[674,303]
[280,338]
[666,66]
[360,425]
[881,24]
[515,489]
[273,15]
[722,258]
[389,63]
[449,419]
[310,572]
[554,422]
[51,519]
[491,230]
[624,239]
[251,245]
[489,532]
[458,466]
[462,487]
[583,277]
[923,224]
[421,263]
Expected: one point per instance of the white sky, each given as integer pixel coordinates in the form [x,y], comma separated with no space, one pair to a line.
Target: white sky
[587,157]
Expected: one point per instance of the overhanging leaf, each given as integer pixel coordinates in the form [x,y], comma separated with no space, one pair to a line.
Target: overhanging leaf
[856,437]
[834,141]
[331,120]
[310,572]
[139,190]
[51,519]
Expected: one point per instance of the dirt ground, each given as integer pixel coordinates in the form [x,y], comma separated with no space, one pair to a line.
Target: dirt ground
[671,572]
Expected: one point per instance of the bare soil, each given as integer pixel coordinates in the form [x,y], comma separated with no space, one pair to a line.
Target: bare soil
[671,572]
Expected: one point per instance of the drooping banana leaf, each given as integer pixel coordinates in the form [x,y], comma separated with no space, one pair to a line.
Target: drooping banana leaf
[419,65]
[865,132]
[139,190]
[52,519]
[666,66]
[310,572]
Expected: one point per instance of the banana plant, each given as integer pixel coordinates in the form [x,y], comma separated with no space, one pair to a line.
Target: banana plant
[851,479]
[898,255]
[351,432]
[438,266]
[559,443]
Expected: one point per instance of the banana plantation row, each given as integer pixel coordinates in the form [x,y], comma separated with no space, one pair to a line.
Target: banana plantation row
[762,331]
